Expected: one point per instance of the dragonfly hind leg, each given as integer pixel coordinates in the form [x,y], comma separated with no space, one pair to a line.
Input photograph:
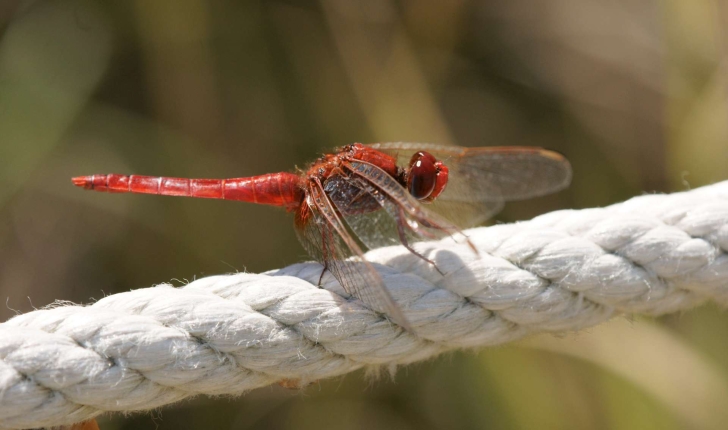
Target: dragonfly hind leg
[321,277]
[325,251]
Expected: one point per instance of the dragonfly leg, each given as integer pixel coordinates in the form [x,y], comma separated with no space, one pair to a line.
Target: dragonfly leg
[321,277]
[325,252]
[359,195]
[403,238]
[451,231]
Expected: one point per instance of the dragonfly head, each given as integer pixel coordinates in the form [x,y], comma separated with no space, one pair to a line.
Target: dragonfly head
[426,177]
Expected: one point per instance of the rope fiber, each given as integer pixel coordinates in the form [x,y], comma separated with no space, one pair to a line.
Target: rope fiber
[562,271]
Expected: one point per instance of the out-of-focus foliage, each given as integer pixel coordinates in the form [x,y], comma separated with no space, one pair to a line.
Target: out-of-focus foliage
[633,92]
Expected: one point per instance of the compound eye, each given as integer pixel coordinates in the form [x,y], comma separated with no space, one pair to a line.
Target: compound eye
[422,175]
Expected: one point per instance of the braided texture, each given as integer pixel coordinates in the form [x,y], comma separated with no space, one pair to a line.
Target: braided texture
[562,271]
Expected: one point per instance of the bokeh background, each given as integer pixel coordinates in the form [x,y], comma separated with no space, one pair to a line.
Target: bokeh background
[634,93]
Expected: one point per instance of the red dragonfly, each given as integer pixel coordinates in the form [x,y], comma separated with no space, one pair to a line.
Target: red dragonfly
[383,194]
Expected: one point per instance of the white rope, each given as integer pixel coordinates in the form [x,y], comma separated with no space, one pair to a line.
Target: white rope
[562,271]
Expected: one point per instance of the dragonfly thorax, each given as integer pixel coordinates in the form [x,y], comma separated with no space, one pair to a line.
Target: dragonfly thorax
[351,197]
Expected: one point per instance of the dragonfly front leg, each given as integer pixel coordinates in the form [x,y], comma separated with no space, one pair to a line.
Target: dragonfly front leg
[425,222]
[401,224]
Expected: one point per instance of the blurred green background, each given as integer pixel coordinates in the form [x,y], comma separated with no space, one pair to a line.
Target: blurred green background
[634,93]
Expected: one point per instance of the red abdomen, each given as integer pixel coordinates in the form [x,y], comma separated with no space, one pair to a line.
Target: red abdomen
[277,189]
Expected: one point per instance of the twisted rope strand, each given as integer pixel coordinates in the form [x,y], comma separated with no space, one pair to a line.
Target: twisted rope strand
[562,271]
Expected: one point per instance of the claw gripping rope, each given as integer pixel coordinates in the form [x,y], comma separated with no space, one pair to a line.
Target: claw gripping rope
[561,271]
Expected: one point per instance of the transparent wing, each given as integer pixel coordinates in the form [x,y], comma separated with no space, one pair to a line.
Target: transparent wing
[374,229]
[518,172]
[361,211]
[480,179]
[409,216]
[326,239]
[374,218]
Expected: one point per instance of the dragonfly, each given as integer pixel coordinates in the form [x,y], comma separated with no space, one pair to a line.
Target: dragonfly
[368,196]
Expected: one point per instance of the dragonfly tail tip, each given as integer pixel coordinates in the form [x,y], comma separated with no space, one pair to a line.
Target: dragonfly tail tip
[85,182]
